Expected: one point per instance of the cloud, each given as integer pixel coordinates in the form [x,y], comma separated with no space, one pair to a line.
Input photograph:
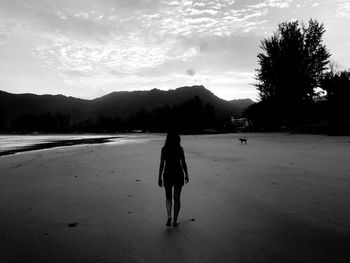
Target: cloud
[119,43]
[95,39]
[343,9]
[273,4]
[107,36]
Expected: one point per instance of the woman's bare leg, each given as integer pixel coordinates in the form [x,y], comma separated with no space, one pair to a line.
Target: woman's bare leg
[177,203]
[168,202]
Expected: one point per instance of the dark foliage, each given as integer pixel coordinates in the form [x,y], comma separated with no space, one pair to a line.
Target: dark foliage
[190,116]
[41,123]
[292,62]
[292,65]
[309,117]
[337,86]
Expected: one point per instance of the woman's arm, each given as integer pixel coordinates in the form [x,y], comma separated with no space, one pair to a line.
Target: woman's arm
[184,165]
[161,168]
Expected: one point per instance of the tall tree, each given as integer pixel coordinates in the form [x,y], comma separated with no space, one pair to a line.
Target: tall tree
[292,62]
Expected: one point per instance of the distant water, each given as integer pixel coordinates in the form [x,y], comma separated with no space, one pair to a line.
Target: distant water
[11,142]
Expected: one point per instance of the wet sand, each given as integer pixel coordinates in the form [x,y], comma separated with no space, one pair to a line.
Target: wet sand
[58,143]
[280,198]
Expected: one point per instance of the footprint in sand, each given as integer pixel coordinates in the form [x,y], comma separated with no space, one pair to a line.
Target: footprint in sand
[73,224]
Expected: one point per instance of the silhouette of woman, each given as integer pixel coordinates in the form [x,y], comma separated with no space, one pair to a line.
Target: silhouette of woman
[172,167]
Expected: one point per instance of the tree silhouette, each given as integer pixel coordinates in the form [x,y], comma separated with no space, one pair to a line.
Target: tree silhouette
[337,86]
[190,116]
[291,67]
[292,62]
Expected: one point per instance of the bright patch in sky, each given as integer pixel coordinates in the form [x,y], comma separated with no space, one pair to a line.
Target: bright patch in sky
[89,48]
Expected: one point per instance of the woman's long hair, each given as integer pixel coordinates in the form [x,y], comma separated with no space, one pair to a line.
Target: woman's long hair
[172,140]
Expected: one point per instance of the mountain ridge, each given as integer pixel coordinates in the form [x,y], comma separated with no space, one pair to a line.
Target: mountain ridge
[125,92]
[122,104]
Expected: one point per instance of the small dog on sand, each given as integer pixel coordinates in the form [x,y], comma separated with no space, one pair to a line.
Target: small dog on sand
[243,140]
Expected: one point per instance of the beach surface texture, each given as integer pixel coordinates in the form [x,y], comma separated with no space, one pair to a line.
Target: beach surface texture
[278,198]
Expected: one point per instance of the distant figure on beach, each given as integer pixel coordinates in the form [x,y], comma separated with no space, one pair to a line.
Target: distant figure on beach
[171,173]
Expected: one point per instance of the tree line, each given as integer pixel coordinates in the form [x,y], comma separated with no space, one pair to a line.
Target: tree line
[191,116]
[298,87]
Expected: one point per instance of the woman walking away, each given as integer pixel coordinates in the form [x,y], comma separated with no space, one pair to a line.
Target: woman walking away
[172,168]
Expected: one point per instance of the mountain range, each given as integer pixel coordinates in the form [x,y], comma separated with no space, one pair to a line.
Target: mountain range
[122,104]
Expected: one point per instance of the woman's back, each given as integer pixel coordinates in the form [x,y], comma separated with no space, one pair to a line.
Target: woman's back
[172,157]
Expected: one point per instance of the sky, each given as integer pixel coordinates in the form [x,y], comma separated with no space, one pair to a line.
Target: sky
[89,48]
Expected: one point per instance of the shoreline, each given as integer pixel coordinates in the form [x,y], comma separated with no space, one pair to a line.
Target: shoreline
[58,143]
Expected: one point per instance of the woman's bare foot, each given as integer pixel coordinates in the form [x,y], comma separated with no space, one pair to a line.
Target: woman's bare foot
[168,223]
[175,223]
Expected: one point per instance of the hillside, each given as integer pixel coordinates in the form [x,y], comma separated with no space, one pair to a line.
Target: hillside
[122,104]
[13,106]
[126,103]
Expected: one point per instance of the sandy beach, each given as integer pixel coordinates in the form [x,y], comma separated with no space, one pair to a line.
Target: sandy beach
[279,198]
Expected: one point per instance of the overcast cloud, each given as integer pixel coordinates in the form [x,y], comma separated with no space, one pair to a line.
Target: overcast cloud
[88,48]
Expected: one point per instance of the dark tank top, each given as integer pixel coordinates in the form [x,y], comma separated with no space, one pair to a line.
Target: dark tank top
[172,157]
